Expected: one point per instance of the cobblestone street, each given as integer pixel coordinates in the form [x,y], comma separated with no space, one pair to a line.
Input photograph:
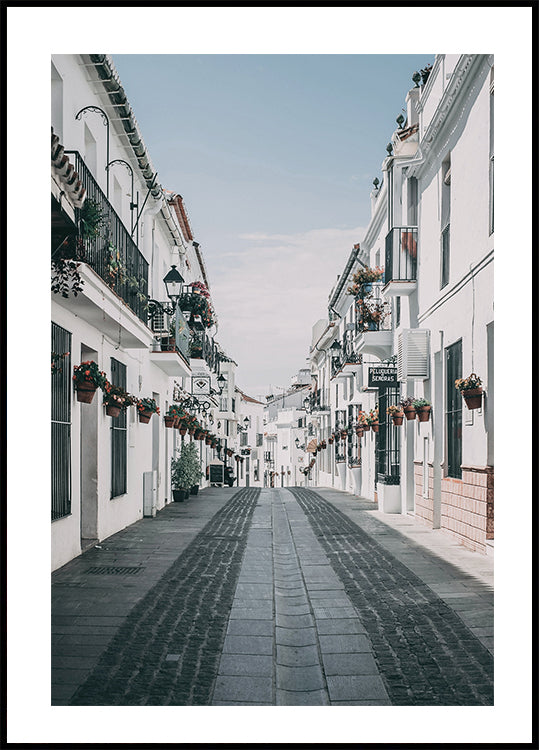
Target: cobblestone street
[273,597]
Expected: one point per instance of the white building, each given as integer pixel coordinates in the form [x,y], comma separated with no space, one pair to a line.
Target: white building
[432,229]
[116,234]
[285,434]
[250,440]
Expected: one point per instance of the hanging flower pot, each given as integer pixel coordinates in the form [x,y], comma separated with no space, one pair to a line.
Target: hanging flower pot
[85,392]
[208,441]
[410,412]
[398,418]
[144,416]
[375,426]
[422,407]
[183,430]
[87,379]
[423,413]
[366,427]
[112,410]
[169,421]
[473,398]
[471,389]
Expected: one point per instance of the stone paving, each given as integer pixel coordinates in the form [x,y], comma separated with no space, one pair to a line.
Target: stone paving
[272,597]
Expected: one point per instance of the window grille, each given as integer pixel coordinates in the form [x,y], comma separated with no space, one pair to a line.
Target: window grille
[388,443]
[61,381]
[259,439]
[118,435]
[454,410]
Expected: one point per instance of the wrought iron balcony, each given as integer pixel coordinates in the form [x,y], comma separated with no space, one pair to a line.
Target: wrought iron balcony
[202,346]
[372,312]
[401,255]
[111,251]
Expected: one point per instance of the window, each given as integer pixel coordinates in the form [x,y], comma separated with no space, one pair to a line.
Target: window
[412,201]
[259,439]
[491,156]
[397,311]
[60,422]
[387,446]
[454,410]
[223,403]
[243,439]
[118,435]
[445,221]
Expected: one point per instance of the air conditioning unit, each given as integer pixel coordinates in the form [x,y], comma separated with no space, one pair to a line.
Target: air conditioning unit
[160,322]
[413,354]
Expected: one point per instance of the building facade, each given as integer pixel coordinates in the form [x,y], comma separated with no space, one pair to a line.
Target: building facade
[118,242]
[425,320]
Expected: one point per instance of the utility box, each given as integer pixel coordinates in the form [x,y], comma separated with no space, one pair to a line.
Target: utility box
[149,493]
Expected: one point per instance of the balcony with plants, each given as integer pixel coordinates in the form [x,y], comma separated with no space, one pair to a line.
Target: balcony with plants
[400,262]
[203,352]
[98,270]
[372,327]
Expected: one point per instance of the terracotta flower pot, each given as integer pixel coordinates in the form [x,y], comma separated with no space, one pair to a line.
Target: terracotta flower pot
[397,418]
[473,398]
[410,412]
[169,421]
[176,421]
[423,413]
[85,391]
[183,430]
[366,427]
[208,441]
[375,427]
[144,416]
[113,411]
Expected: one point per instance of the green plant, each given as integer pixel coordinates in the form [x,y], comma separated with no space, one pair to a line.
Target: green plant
[365,275]
[91,219]
[147,405]
[197,304]
[115,266]
[419,402]
[114,395]
[185,469]
[407,402]
[89,372]
[472,382]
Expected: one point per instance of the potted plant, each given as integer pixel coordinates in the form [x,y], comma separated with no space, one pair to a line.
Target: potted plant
[372,419]
[471,390]
[408,407]
[114,399]
[372,314]
[422,407]
[170,417]
[146,407]
[185,472]
[396,413]
[87,378]
[363,280]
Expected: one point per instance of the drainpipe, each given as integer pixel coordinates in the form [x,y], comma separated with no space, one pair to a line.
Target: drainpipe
[148,229]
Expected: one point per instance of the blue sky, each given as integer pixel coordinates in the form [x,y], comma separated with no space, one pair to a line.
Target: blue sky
[274,156]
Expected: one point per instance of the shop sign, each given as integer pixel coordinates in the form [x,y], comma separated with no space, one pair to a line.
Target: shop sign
[382,377]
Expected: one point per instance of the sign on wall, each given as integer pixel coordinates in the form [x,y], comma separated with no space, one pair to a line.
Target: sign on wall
[382,376]
[200,385]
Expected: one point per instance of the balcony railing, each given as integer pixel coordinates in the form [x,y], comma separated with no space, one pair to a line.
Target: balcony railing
[401,254]
[202,346]
[111,252]
[372,311]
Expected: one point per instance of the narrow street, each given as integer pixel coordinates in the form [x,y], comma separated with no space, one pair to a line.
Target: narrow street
[273,597]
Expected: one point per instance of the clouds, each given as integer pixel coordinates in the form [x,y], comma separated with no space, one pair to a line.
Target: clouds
[268,294]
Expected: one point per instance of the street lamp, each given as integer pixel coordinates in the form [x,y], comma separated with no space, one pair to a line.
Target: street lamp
[173,282]
[221,382]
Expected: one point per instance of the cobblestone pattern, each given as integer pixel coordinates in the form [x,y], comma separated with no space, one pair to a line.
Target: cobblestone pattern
[425,653]
[167,650]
